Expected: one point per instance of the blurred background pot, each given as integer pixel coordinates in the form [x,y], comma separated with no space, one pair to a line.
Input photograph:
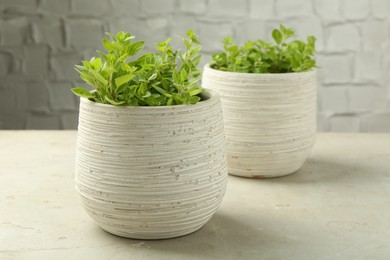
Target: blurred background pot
[270,120]
[151,172]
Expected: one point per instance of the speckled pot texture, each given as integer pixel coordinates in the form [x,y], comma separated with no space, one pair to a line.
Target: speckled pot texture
[270,120]
[151,172]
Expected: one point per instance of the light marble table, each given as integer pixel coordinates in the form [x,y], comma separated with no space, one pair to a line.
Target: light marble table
[336,207]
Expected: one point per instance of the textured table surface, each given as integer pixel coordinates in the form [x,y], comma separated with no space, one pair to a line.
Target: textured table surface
[336,207]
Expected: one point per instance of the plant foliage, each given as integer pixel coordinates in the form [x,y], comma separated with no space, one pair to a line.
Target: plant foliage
[260,56]
[167,77]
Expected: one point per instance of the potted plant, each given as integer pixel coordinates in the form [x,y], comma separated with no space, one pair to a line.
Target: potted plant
[268,96]
[150,158]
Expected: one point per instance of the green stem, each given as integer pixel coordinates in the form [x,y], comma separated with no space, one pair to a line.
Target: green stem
[111,85]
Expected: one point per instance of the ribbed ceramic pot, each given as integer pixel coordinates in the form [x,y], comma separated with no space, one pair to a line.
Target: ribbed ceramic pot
[270,120]
[151,172]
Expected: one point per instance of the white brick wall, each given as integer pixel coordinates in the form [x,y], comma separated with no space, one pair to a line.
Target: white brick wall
[343,38]
[41,40]
[296,8]
[48,31]
[36,61]
[344,123]
[150,7]
[328,10]
[375,34]
[262,9]
[369,67]
[83,33]
[192,7]
[5,63]
[335,68]
[14,31]
[380,8]
[333,99]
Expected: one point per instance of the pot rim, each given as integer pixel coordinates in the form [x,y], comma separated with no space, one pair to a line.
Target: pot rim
[259,75]
[211,95]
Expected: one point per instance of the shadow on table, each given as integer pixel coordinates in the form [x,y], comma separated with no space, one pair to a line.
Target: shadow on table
[223,235]
[228,236]
[329,170]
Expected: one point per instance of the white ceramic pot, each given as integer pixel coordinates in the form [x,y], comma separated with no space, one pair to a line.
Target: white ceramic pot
[151,172]
[270,120]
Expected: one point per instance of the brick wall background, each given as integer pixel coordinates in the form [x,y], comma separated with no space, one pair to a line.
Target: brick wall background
[41,40]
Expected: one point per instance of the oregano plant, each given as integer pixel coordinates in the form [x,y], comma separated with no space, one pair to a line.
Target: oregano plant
[282,56]
[166,77]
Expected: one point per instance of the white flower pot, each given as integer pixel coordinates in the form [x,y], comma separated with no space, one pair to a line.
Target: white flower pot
[151,172]
[270,120]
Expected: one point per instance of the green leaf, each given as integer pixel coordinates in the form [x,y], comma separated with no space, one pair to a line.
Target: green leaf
[96,63]
[110,58]
[110,35]
[194,50]
[126,67]
[187,43]
[190,33]
[193,100]
[108,45]
[227,42]
[249,45]
[143,88]
[196,60]
[163,45]
[311,40]
[177,98]
[147,94]
[135,48]
[87,64]
[79,68]
[82,92]
[277,35]
[195,92]
[120,36]
[123,79]
[107,70]
[152,77]
[176,77]
[113,102]
[192,36]
[183,75]
[99,78]
[102,55]
[121,89]
[162,91]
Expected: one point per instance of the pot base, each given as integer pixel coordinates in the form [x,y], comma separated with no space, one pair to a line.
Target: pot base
[265,167]
[152,236]
[262,176]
